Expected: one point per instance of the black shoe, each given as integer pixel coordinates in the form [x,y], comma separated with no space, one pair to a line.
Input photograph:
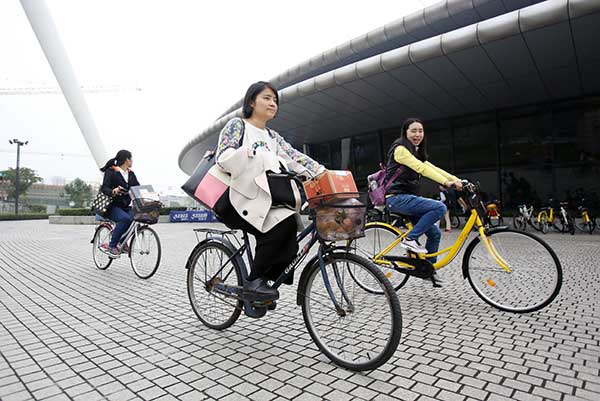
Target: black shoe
[258,290]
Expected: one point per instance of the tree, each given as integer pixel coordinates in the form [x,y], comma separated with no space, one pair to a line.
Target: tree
[79,191]
[27,177]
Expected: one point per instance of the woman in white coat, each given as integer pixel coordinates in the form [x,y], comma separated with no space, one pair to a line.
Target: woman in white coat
[248,204]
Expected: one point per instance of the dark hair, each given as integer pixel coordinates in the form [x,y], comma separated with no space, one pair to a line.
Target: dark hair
[118,160]
[251,94]
[421,152]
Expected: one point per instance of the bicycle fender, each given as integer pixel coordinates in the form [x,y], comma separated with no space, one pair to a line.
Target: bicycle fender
[98,228]
[301,290]
[224,241]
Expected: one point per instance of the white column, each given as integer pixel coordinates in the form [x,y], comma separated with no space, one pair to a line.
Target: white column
[41,21]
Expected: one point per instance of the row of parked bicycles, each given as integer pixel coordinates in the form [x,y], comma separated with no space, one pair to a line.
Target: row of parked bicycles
[556,217]
[559,217]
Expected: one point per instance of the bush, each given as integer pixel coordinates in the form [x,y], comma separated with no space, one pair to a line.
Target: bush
[88,212]
[24,216]
[83,211]
[35,209]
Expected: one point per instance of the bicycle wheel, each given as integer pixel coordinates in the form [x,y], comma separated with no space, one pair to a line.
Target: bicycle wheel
[145,252]
[519,223]
[586,227]
[101,240]
[534,281]
[542,223]
[454,221]
[369,333]
[377,238]
[213,309]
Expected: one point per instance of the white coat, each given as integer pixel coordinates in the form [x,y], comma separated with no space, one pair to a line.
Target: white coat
[245,173]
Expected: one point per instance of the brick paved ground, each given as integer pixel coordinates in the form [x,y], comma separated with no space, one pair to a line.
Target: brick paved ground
[70,331]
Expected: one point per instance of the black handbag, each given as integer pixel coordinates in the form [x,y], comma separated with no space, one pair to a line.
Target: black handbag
[101,203]
[285,191]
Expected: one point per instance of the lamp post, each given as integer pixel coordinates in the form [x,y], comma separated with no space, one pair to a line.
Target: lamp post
[19,144]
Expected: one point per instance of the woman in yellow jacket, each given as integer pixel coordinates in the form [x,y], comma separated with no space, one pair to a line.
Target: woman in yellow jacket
[409,153]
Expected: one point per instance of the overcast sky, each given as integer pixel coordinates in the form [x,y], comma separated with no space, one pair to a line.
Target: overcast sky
[192,59]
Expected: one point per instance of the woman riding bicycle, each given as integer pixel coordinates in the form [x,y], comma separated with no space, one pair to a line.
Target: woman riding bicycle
[409,153]
[247,150]
[118,177]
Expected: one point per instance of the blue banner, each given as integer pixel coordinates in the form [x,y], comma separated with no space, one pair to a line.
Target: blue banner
[192,216]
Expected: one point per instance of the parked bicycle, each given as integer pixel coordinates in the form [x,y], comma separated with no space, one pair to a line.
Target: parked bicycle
[511,270]
[560,221]
[356,329]
[523,218]
[140,242]
[588,222]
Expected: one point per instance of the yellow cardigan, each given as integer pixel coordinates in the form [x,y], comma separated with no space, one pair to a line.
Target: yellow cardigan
[426,169]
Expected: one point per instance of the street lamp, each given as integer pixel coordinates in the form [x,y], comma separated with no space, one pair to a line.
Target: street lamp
[19,144]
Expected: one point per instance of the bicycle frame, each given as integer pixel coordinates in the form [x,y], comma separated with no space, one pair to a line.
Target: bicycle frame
[289,270]
[451,251]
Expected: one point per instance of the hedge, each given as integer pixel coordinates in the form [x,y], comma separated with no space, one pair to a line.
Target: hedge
[24,216]
[88,212]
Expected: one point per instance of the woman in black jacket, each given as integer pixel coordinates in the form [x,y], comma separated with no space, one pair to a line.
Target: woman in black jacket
[118,177]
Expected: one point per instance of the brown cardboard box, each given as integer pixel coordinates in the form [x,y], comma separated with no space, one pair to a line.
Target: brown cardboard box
[331,182]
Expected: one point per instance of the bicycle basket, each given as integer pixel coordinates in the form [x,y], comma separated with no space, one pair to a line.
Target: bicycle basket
[146,211]
[340,216]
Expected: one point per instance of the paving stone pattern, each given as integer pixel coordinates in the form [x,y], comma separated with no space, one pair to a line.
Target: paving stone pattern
[71,331]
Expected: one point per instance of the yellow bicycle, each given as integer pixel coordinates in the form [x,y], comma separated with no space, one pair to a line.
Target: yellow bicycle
[511,270]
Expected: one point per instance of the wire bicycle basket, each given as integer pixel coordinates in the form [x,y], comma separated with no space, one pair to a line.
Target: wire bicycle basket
[340,216]
[146,211]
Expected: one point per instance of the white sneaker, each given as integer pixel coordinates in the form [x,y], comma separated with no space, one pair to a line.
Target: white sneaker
[412,245]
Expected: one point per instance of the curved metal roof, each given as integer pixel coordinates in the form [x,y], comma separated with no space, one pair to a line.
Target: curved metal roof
[434,20]
[541,52]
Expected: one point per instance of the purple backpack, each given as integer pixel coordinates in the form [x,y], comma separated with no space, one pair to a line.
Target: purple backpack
[378,185]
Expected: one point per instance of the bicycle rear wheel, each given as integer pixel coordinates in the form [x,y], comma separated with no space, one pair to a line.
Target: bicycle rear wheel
[377,237]
[214,309]
[100,241]
[454,221]
[535,278]
[519,223]
[368,332]
[145,252]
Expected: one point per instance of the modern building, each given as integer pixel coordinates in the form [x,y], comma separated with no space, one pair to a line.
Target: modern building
[509,91]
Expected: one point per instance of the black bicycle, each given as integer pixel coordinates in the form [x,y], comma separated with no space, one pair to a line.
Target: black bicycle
[354,328]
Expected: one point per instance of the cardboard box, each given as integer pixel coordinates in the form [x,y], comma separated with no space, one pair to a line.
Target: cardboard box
[331,182]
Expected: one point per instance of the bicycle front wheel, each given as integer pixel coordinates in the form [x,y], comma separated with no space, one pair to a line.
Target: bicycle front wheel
[210,267]
[535,277]
[100,247]
[365,331]
[584,226]
[377,237]
[145,252]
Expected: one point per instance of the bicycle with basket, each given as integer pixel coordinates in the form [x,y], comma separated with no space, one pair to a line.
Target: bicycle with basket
[355,329]
[140,242]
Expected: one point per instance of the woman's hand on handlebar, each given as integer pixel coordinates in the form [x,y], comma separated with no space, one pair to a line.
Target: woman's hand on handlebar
[458,185]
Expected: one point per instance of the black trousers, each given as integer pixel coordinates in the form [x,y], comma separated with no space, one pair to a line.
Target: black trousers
[274,250]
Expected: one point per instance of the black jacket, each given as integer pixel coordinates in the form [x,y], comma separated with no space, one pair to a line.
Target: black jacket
[408,182]
[112,179]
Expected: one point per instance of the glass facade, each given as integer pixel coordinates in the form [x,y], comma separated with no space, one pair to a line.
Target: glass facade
[521,155]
